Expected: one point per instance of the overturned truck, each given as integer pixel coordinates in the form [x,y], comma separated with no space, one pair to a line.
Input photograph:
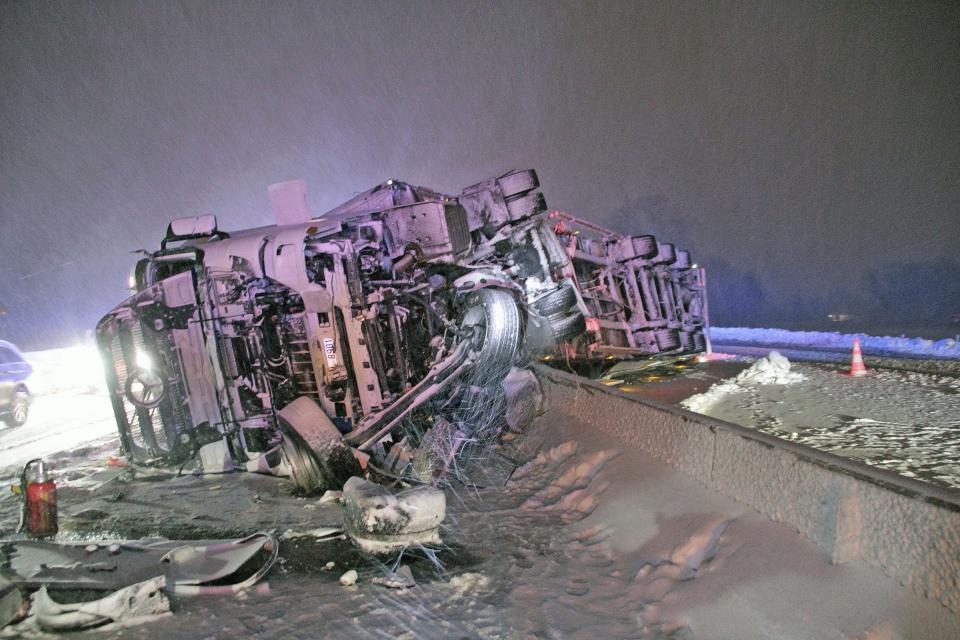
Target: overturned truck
[384,333]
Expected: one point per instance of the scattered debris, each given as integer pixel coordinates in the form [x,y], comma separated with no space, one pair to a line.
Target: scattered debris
[349,578]
[320,533]
[402,578]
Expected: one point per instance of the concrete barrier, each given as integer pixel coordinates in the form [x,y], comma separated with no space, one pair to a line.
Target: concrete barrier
[907,528]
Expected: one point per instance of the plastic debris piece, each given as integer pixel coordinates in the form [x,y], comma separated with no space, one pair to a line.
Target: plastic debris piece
[349,578]
[136,601]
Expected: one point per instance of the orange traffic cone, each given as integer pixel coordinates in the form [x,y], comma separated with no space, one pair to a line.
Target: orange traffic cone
[856,362]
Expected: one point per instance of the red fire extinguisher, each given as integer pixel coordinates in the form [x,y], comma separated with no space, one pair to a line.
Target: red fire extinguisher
[39,515]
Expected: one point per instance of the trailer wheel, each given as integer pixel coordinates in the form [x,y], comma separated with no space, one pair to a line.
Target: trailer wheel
[556,303]
[526,205]
[683,260]
[667,253]
[517,182]
[667,339]
[644,247]
[568,328]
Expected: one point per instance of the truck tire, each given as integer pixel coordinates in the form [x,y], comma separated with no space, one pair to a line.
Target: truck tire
[517,182]
[556,303]
[568,328]
[686,341]
[699,342]
[496,317]
[526,206]
[644,247]
[667,339]
[667,254]
[683,260]
[646,341]
[318,456]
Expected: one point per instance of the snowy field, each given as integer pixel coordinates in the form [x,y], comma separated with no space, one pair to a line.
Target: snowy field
[903,421]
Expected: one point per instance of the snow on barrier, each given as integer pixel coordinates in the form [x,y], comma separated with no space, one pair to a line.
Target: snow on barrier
[907,528]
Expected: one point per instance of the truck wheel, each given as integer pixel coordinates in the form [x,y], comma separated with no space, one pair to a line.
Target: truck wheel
[667,339]
[494,315]
[318,456]
[667,254]
[569,328]
[644,247]
[556,303]
[526,206]
[19,409]
[517,182]
[699,342]
[686,341]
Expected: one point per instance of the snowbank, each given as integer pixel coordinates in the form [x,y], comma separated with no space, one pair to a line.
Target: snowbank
[886,345]
[774,369]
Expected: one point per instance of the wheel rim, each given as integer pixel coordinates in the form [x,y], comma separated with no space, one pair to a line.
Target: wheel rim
[20,408]
[146,389]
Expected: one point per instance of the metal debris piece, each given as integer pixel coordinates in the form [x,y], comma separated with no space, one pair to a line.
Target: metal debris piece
[320,533]
[189,568]
[139,600]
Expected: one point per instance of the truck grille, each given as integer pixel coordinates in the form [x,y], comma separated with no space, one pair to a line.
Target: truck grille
[458,228]
[149,434]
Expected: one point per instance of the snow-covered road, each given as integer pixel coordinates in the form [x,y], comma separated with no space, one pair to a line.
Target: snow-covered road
[58,422]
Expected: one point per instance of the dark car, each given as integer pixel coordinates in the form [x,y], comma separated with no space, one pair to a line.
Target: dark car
[14,395]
